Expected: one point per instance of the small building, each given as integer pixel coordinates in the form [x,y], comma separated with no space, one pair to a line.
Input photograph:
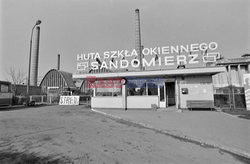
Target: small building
[184,88]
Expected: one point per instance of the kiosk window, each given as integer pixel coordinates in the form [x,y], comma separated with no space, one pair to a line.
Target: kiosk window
[152,88]
[104,88]
[136,87]
[140,87]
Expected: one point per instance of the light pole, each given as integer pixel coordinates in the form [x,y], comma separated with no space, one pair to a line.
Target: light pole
[28,83]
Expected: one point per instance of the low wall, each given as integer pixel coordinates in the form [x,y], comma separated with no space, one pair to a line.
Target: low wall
[107,102]
[142,102]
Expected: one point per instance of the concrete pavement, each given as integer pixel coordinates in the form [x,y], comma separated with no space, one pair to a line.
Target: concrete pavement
[74,134]
[217,129]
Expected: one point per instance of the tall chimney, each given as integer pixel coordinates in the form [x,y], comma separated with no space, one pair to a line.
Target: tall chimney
[58,62]
[138,46]
[35,57]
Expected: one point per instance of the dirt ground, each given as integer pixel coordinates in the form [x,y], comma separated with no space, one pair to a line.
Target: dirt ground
[74,134]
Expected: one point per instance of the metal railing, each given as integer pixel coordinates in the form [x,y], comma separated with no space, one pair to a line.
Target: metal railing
[229,98]
[38,99]
[48,99]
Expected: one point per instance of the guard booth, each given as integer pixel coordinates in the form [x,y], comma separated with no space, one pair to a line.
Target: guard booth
[182,88]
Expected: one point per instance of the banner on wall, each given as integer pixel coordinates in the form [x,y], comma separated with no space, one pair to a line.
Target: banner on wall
[246,80]
[69,100]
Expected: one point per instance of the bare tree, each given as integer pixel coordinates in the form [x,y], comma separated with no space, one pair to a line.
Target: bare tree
[16,77]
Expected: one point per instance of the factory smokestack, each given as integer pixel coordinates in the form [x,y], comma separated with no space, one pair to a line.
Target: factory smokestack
[58,62]
[138,46]
[35,57]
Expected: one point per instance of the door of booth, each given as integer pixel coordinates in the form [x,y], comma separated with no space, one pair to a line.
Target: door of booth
[167,94]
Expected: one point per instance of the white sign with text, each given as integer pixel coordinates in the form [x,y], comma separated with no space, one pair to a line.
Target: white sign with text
[159,56]
[69,100]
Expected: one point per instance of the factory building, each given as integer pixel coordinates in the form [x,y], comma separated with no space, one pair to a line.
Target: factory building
[57,81]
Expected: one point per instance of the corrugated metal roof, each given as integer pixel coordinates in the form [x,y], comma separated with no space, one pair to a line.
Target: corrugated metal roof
[65,75]
[68,78]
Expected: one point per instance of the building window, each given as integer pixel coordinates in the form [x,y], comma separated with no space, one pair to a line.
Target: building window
[152,88]
[104,91]
[136,87]
[108,88]
[140,87]
[117,91]
[4,88]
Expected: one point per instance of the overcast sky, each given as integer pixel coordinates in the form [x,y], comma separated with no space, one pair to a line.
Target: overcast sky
[70,27]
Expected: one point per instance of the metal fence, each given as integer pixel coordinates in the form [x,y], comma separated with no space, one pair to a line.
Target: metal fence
[20,100]
[38,98]
[53,99]
[229,98]
[85,100]
[48,99]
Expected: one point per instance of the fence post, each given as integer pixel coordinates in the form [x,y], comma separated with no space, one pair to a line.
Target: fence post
[19,101]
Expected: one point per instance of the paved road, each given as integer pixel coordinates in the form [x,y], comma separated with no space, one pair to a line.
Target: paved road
[74,134]
[214,128]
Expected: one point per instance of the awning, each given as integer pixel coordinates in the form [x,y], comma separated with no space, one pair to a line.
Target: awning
[175,72]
